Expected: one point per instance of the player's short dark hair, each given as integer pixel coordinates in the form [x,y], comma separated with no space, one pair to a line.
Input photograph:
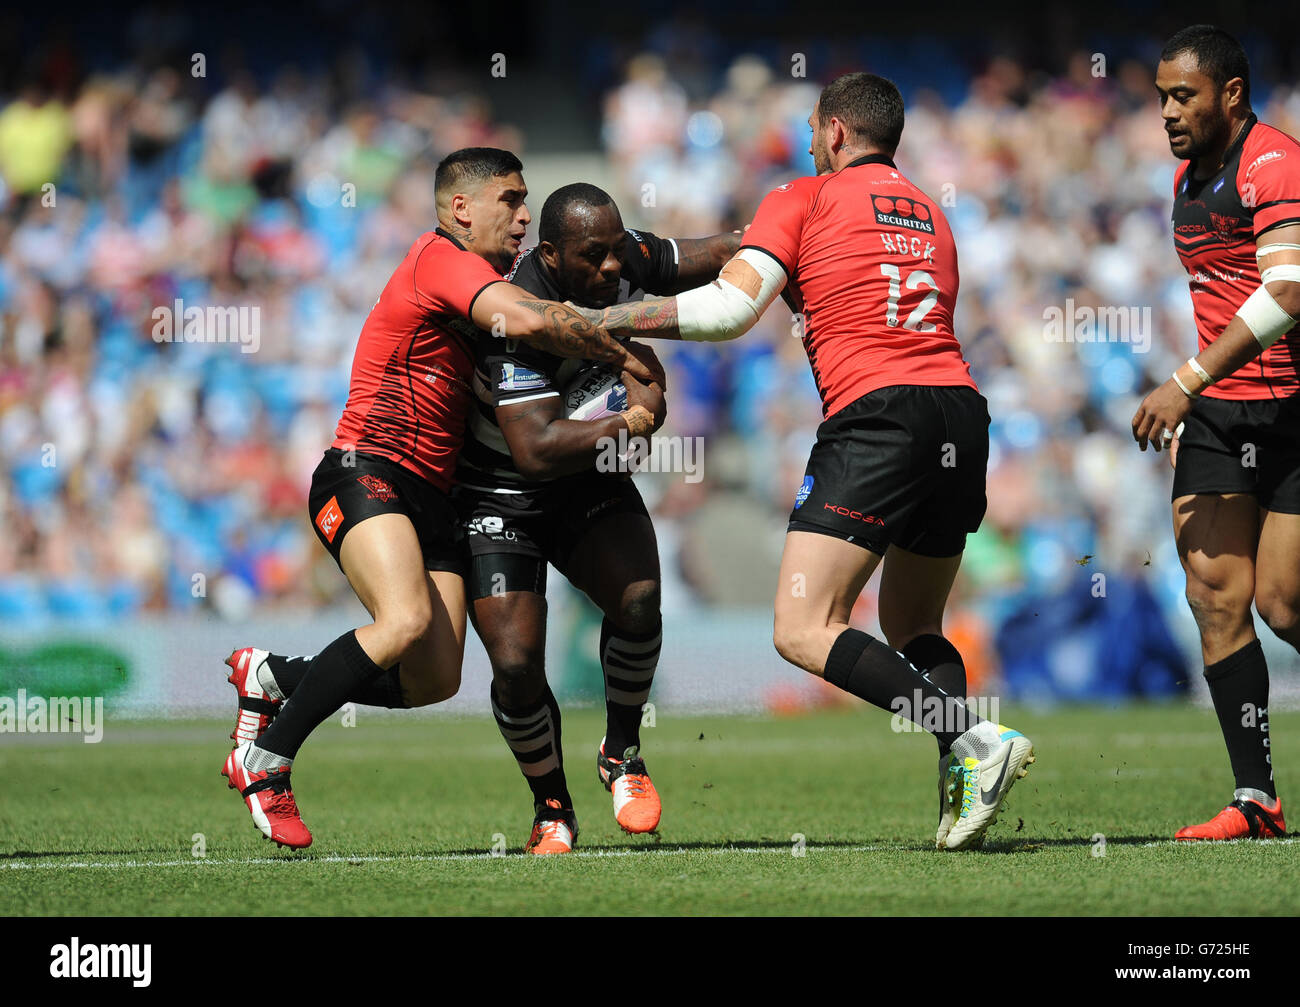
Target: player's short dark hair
[554,224]
[1218,55]
[474,165]
[869,106]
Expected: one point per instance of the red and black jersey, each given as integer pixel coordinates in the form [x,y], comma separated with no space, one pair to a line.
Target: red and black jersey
[872,267]
[410,391]
[1217,222]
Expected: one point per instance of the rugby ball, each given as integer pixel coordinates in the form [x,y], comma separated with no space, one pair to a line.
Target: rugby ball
[595,392]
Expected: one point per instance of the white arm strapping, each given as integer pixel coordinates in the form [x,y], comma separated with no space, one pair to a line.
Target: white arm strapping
[1265,317]
[1286,271]
[721,310]
[1270,249]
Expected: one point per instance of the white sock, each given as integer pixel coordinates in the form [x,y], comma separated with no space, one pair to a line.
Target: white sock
[259,760]
[977,743]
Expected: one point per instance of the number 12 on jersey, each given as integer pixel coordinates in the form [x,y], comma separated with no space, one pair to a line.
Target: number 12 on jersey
[915,279]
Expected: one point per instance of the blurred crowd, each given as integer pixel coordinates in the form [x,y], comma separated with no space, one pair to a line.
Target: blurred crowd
[142,475]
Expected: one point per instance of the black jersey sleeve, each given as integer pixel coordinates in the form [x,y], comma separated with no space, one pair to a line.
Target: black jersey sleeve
[511,369]
[651,262]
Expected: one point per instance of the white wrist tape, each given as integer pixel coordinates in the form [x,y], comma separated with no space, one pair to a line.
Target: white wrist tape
[1186,391]
[721,310]
[1200,371]
[1265,317]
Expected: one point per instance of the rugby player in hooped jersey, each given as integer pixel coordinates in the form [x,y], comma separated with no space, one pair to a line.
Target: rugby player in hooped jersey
[530,493]
[1231,414]
[378,500]
[898,470]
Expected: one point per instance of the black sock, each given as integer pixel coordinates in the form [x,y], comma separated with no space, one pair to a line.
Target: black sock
[1239,689]
[533,734]
[629,661]
[865,667]
[334,674]
[382,690]
[939,661]
[288,672]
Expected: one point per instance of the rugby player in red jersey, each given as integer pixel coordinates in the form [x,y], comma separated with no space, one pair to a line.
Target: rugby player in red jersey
[1231,414]
[898,470]
[378,500]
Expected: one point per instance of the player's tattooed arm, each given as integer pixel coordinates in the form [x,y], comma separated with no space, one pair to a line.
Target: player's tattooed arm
[700,259]
[652,317]
[511,312]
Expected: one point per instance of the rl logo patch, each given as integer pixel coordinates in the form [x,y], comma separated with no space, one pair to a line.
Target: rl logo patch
[803,492]
[329,519]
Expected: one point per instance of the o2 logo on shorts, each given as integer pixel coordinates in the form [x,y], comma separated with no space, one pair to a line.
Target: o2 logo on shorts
[490,525]
[804,490]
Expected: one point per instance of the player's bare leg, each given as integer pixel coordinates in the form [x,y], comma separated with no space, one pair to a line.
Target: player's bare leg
[383,562]
[1218,536]
[429,670]
[914,592]
[821,577]
[617,565]
[512,626]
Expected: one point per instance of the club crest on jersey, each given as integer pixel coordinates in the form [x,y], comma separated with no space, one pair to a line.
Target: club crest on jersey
[903,212]
[1223,225]
[517,379]
[379,489]
[802,495]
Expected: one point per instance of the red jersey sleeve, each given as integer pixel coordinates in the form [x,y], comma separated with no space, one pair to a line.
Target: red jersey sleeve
[1270,179]
[778,225]
[449,283]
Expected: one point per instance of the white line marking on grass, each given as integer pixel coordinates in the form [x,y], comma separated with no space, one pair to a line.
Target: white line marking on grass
[1224,842]
[416,858]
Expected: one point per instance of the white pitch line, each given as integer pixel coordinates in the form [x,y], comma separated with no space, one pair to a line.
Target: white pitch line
[422,858]
[1224,842]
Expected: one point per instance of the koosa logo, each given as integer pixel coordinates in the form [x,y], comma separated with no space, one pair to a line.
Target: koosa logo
[902,212]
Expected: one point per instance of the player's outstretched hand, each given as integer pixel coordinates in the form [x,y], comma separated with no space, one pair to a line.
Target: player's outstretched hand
[650,396]
[1159,415]
[645,366]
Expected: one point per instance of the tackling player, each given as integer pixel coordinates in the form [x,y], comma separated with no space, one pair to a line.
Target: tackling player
[529,493]
[898,470]
[1231,414]
[379,499]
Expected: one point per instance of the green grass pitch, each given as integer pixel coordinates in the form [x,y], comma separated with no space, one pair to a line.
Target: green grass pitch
[405,811]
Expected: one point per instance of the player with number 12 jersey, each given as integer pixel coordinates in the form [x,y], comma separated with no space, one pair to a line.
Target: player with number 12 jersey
[868,263]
